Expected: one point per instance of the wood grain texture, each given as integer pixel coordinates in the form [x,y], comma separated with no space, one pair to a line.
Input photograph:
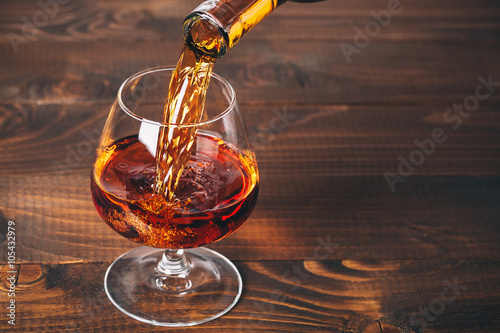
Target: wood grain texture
[283,61]
[323,174]
[293,296]
[424,20]
[429,217]
[324,140]
[274,73]
[389,256]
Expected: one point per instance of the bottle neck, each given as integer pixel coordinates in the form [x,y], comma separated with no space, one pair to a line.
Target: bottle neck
[215,26]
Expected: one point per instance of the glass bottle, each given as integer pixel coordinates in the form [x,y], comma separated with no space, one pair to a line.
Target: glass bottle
[215,26]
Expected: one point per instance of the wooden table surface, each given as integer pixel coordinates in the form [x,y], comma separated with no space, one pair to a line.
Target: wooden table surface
[378,143]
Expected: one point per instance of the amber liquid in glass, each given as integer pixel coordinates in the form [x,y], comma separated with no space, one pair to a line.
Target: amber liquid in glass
[216,193]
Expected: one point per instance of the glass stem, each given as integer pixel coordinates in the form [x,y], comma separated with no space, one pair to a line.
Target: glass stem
[173,262]
[171,272]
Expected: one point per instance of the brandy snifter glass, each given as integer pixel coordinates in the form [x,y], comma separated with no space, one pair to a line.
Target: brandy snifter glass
[172,280]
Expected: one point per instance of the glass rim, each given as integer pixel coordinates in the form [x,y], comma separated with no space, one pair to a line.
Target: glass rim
[144,72]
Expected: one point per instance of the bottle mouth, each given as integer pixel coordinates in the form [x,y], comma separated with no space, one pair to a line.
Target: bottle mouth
[205,32]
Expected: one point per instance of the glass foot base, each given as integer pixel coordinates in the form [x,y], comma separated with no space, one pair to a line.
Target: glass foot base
[209,287]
